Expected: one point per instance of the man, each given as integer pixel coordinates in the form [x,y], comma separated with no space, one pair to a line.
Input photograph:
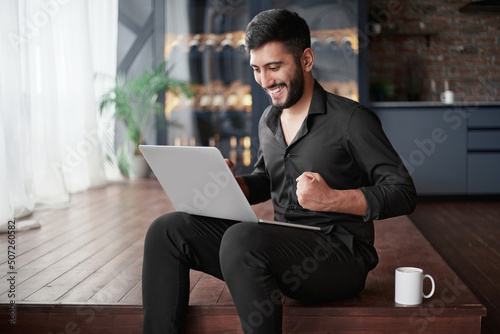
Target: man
[324,160]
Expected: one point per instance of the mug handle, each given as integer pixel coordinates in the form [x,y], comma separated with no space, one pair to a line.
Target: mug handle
[442,97]
[433,286]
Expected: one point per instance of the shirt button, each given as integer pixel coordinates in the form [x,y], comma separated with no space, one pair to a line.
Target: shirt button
[287,155]
[291,207]
[290,181]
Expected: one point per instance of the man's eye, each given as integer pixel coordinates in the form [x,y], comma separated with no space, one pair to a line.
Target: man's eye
[274,68]
[256,69]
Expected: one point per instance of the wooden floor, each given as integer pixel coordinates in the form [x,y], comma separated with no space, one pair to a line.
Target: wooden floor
[466,233]
[86,250]
[89,255]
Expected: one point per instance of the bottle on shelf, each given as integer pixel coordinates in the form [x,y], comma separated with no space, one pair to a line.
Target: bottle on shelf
[209,50]
[225,60]
[195,60]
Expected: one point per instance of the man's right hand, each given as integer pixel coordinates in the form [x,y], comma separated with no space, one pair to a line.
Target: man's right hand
[231,166]
[243,185]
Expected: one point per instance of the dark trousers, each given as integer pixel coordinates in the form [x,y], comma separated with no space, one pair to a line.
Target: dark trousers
[258,262]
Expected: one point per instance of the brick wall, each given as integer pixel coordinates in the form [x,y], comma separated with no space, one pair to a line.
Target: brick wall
[464,49]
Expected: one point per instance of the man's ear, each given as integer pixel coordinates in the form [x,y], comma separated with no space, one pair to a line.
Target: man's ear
[307,59]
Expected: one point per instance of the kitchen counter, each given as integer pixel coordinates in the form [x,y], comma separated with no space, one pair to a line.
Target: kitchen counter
[432,104]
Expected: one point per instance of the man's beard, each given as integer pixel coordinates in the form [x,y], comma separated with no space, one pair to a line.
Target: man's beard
[295,91]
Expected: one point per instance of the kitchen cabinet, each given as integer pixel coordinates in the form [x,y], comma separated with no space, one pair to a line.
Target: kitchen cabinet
[483,151]
[448,149]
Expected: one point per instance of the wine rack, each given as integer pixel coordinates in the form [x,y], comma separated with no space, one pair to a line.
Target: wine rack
[223,111]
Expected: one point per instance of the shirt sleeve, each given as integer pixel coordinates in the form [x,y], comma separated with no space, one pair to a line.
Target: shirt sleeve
[259,183]
[389,190]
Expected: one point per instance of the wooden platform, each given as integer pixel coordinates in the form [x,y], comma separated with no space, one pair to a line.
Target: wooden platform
[81,273]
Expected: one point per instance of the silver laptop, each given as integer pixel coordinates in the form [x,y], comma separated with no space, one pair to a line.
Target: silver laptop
[198,181]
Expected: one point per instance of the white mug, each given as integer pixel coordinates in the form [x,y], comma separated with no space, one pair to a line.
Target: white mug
[447,97]
[410,285]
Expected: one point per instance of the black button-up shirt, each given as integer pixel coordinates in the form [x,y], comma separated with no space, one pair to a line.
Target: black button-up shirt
[344,142]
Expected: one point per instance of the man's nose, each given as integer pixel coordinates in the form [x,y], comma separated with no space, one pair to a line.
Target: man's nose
[266,79]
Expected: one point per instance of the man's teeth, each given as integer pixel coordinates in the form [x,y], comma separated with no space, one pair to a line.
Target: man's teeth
[275,90]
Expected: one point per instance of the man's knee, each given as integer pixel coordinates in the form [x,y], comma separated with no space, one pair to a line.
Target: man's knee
[238,237]
[164,226]
[240,243]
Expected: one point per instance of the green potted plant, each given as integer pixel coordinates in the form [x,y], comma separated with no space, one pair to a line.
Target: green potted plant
[136,103]
[382,89]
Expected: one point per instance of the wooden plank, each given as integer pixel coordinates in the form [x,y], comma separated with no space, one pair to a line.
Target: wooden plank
[57,222]
[194,277]
[207,291]
[388,259]
[34,319]
[229,323]
[384,325]
[102,274]
[120,285]
[225,297]
[134,296]
[90,267]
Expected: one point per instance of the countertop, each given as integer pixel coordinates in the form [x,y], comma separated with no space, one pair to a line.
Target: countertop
[433,104]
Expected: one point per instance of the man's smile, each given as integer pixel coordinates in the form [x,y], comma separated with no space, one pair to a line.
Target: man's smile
[275,90]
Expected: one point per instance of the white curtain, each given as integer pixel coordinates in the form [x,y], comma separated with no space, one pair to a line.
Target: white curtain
[53,141]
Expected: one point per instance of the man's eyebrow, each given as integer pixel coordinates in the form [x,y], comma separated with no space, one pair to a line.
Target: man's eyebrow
[270,63]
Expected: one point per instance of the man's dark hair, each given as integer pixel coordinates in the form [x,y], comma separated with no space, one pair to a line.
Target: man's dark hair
[278,25]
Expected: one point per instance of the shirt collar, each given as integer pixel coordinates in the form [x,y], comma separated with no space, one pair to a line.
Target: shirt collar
[318,101]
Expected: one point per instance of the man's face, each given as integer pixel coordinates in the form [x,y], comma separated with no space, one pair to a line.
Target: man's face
[276,70]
